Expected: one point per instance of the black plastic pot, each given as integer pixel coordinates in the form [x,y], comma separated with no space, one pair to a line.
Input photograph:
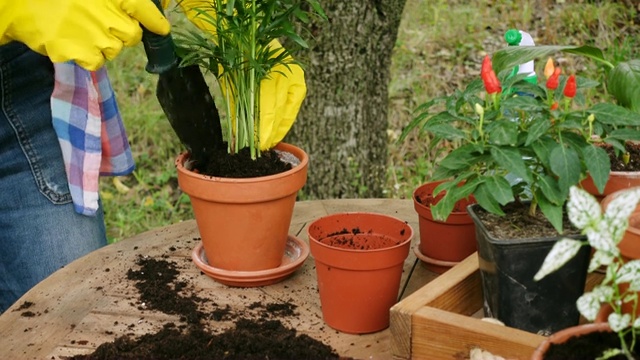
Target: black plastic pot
[512,296]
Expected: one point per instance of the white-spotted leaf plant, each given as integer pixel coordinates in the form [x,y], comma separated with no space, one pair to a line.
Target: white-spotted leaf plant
[604,231]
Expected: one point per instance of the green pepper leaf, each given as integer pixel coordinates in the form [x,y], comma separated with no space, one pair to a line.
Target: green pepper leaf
[503,132]
[615,115]
[537,127]
[598,165]
[551,190]
[499,188]
[461,158]
[512,56]
[445,131]
[624,134]
[542,147]
[552,212]
[485,198]
[510,159]
[624,83]
[521,103]
[565,163]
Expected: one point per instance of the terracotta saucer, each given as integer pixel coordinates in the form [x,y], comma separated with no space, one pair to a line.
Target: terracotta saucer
[295,253]
[435,265]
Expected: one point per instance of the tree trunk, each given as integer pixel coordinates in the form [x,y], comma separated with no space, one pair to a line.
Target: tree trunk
[343,122]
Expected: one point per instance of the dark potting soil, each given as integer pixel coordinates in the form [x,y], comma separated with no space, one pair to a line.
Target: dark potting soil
[585,347]
[240,165]
[356,239]
[518,224]
[617,163]
[261,336]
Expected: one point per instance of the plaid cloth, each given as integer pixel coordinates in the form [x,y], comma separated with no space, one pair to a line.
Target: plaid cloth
[90,131]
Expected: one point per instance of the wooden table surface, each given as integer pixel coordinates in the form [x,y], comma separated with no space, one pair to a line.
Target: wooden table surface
[91,301]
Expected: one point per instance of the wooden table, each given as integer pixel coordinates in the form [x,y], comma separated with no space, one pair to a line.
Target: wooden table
[90,301]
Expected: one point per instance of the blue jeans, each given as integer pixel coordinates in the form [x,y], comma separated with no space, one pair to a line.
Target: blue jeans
[39,230]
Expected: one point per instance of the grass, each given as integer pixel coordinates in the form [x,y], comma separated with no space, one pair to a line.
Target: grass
[439,48]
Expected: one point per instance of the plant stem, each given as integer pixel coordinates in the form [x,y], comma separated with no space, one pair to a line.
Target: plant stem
[254,115]
[533,206]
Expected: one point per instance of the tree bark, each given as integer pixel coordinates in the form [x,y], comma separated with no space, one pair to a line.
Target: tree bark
[342,124]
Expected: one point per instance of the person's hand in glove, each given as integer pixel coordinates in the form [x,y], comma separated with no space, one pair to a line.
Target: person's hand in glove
[85,31]
[281,93]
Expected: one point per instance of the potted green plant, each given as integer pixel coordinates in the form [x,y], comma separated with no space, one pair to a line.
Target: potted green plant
[621,81]
[244,218]
[604,231]
[522,146]
[443,244]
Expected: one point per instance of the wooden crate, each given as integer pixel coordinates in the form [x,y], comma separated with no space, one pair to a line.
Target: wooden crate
[442,320]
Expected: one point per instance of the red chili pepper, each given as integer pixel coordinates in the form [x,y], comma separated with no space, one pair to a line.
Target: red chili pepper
[491,83]
[486,65]
[489,78]
[554,80]
[570,87]
[554,106]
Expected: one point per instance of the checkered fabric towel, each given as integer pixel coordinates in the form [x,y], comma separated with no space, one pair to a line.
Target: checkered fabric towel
[90,131]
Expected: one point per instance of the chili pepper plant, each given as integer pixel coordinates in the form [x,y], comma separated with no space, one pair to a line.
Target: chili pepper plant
[241,51]
[603,231]
[622,79]
[520,141]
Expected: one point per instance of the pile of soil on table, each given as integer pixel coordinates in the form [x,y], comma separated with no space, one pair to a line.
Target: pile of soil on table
[252,337]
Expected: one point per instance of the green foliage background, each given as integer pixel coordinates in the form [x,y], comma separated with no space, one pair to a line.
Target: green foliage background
[440,47]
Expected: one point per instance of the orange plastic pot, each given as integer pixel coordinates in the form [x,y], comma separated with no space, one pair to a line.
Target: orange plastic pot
[359,260]
[244,223]
[443,244]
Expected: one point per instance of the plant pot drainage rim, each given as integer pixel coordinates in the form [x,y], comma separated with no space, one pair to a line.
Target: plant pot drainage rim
[433,261]
[296,252]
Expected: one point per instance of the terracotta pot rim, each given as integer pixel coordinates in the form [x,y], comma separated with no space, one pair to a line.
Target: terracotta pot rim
[567,333]
[631,174]
[179,162]
[357,251]
[433,261]
[409,233]
[455,217]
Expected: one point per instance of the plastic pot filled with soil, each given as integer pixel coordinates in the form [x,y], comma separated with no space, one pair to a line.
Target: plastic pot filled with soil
[359,260]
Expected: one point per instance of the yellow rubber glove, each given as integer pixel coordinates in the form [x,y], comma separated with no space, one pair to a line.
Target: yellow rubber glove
[86,31]
[281,93]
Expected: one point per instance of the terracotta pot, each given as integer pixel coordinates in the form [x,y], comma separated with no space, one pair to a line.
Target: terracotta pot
[359,260]
[618,180]
[630,244]
[443,244]
[244,223]
[566,334]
